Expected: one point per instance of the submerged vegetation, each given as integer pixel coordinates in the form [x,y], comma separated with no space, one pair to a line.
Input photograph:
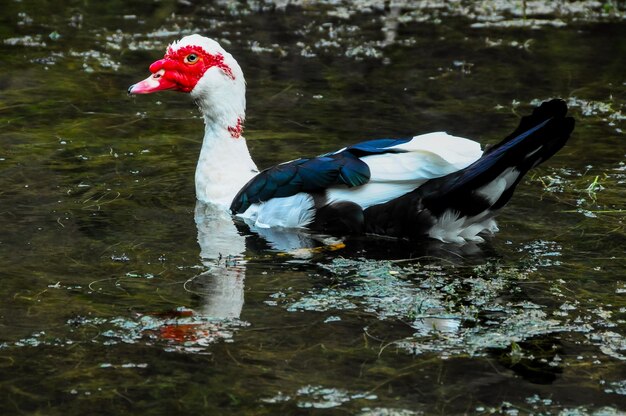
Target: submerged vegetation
[119,297]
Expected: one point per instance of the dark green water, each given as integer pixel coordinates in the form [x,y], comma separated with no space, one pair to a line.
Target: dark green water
[119,296]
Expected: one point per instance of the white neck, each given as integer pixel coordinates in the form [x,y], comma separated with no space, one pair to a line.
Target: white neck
[225,165]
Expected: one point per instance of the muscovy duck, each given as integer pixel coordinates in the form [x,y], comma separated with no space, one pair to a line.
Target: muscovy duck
[435,185]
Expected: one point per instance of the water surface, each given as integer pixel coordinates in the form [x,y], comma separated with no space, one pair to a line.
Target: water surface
[121,296]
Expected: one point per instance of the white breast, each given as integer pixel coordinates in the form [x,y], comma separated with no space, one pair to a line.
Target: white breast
[296,211]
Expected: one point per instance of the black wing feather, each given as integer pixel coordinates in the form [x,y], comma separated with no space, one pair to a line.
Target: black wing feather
[302,175]
[314,174]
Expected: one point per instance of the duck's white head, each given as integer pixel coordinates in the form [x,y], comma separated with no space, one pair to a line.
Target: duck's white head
[201,67]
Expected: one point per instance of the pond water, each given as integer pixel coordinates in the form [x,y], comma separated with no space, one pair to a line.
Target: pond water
[120,296]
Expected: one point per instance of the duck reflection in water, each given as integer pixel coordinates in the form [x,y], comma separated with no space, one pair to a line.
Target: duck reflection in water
[220,286]
[222,249]
[222,244]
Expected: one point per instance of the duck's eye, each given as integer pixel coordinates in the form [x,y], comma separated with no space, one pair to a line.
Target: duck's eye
[192,58]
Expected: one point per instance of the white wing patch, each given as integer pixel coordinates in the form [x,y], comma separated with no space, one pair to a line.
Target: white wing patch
[494,189]
[371,193]
[425,157]
[457,151]
[295,211]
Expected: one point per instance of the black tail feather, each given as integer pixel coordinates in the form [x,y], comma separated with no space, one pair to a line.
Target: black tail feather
[537,138]
[472,191]
[555,108]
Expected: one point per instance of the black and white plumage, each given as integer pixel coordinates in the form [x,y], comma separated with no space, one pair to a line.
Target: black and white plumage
[454,207]
[433,185]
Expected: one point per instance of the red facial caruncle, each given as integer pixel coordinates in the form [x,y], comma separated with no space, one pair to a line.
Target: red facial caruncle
[180,70]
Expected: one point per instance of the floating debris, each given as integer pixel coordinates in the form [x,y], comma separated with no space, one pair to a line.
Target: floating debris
[515,23]
[610,343]
[617,387]
[383,411]
[34,41]
[319,397]
[610,111]
[93,58]
[122,258]
[278,398]
[332,318]
[451,312]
